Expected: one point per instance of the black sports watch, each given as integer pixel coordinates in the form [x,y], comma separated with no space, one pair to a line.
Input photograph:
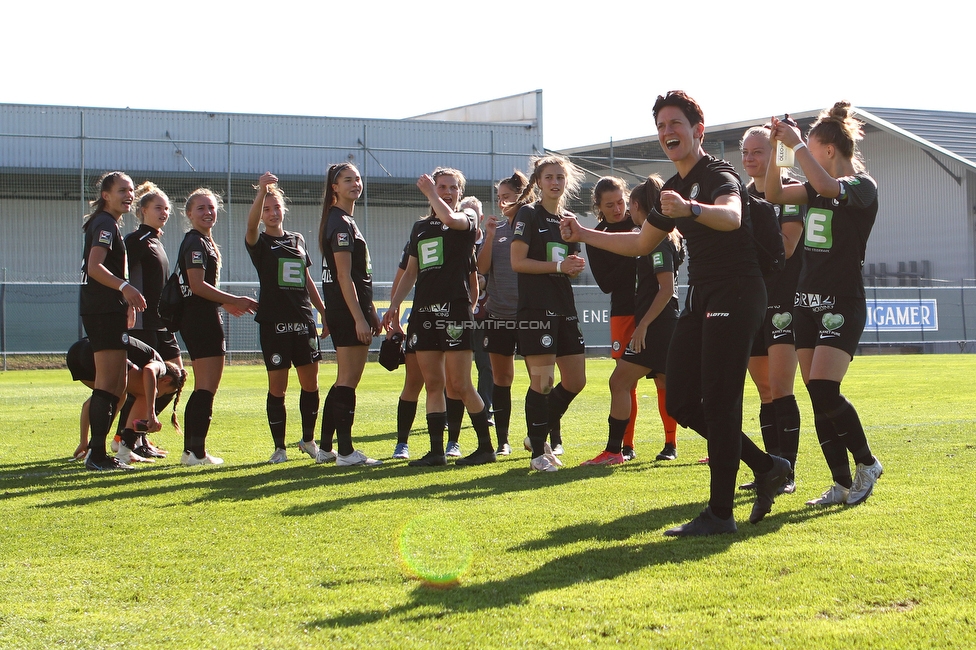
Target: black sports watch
[695,209]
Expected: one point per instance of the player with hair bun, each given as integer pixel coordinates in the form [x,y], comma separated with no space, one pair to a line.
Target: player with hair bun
[501,324]
[202,329]
[830,306]
[287,325]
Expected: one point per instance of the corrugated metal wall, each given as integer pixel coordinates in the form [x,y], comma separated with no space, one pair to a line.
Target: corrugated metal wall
[50,158]
[925,214]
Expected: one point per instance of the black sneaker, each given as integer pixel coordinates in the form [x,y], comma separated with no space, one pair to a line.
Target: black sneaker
[477,458]
[668,453]
[767,487]
[430,459]
[704,524]
[629,453]
[107,464]
[750,486]
[147,452]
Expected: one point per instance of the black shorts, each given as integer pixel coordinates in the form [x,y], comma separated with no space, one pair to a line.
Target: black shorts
[342,328]
[500,335]
[203,335]
[542,332]
[288,344]
[776,329]
[834,321]
[444,327]
[81,361]
[106,331]
[162,341]
[657,342]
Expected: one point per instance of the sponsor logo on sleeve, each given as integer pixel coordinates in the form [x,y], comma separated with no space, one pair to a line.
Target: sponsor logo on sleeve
[196,257]
[105,237]
[342,239]
[519,227]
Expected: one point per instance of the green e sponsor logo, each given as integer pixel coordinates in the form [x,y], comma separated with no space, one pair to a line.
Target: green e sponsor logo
[431,252]
[556,251]
[818,230]
[658,260]
[291,273]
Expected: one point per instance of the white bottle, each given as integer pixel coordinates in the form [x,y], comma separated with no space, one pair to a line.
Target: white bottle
[784,154]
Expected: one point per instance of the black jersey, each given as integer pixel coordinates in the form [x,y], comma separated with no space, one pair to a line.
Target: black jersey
[782,286]
[281,263]
[148,270]
[665,258]
[404,257]
[615,274]
[443,260]
[198,252]
[342,235]
[836,236]
[553,292]
[714,254]
[102,230]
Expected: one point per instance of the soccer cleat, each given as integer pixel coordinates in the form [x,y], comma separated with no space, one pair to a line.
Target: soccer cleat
[309,447]
[356,458]
[527,443]
[430,459]
[750,486]
[704,524]
[835,495]
[477,458]
[558,450]
[107,464]
[629,453]
[703,461]
[148,452]
[543,464]
[767,487]
[504,449]
[669,452]
[453,450]
[189,459]
[548,453]
[789,487]
[279,456]
[323,456]
[865,476]
[605,458]
[126,456]
[116,441]
[401,450]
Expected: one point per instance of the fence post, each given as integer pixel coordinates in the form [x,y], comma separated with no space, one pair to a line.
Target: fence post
[3,318]
[962,303]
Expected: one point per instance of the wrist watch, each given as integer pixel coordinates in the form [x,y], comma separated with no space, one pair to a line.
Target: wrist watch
[696,209]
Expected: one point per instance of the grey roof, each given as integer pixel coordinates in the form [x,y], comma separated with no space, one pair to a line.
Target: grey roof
[948,133]
[955,132]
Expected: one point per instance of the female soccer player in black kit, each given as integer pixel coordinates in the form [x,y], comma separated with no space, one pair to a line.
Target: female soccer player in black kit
[501,325]
[652,280]
[288,333]
[772,365]
[441,250]
[549,333]
[723,310]
[106,301]
[842,203]
[347,288]
[202,329]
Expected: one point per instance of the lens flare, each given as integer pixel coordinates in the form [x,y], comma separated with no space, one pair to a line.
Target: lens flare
[435,549]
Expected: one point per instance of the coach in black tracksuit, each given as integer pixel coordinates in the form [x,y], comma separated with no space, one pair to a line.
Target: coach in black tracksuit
[723,311]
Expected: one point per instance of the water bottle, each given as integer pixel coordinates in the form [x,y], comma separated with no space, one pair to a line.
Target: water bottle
[784,154]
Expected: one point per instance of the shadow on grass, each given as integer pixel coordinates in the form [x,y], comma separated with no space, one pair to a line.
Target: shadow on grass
[605,562]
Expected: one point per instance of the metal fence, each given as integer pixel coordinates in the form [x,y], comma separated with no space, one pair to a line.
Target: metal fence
[42,319]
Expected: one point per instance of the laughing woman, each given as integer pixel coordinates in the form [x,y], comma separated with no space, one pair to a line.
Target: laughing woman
[106,301]
[202,330]
[288,332]
[723,310]
[830,306]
